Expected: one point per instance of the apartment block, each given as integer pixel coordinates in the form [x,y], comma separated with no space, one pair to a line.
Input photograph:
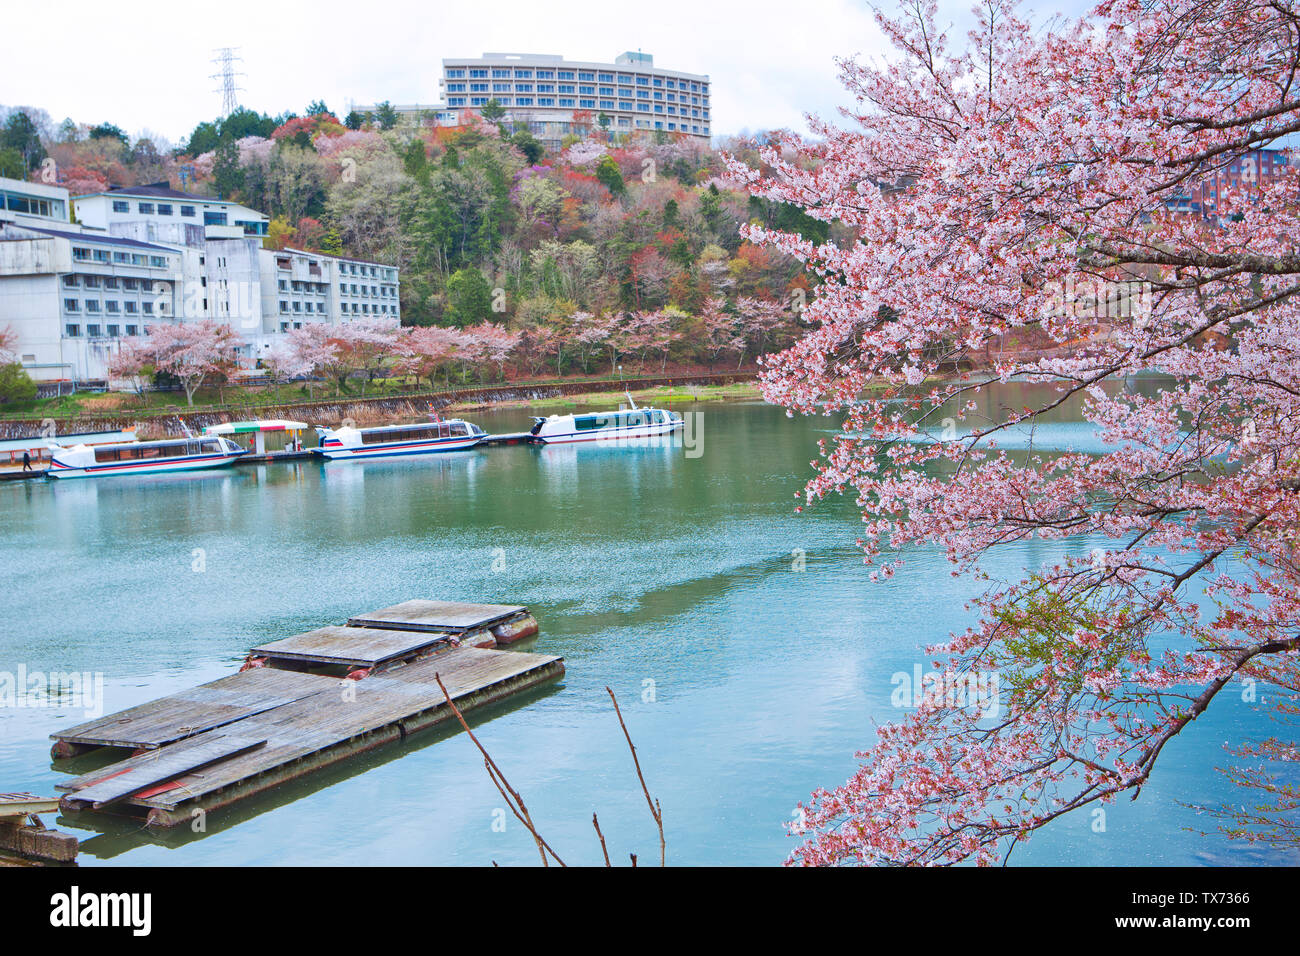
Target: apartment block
[544,92]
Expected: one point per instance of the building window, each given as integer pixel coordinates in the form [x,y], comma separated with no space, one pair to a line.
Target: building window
[144,208]
[92,331]
[72,331]
[120,206]
[132,329]
[101,255]
[132,308]
[70,282]
[92,305]
[187,211]
[113,307]
[158,262]
[81,255]
[71,305]
[114,331]
[164,209]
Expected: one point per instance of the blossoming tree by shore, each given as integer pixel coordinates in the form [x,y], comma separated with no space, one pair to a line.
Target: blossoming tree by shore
[980,181]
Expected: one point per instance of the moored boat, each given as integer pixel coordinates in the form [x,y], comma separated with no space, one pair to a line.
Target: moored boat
[142,457]
[385,441]
[630,425]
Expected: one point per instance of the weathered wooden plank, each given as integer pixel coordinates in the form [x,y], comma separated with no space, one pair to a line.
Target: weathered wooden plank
[190,712]
[308,726]
[134,774]
[361,646]
[422,615]
[21,805]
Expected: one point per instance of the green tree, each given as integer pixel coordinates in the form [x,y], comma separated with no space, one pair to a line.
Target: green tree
[711,208]
[386,115]
[469,298]
[21,133]
[670,214]
[529,145]
[493,111]
[415,160]
[607,172]
[16,386]
[332,244]
[109,131]
[353,120]
[317,108]
[11,163]
[227,174]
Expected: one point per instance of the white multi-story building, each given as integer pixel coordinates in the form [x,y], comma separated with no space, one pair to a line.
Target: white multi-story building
[312,287]
[159,203]
[72,296]
[545,91]
[148,254]
[35,203]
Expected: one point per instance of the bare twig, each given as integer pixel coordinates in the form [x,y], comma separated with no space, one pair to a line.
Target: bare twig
[596,823]
[655,810]
[511,796]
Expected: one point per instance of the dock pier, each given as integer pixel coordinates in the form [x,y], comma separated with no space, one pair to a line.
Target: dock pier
[300,704]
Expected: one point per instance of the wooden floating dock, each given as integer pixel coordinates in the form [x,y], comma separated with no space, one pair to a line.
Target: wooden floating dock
[303,703]
[23,834]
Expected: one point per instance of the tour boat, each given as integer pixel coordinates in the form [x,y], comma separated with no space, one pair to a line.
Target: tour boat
[625,425]
[388,440]
[141,457]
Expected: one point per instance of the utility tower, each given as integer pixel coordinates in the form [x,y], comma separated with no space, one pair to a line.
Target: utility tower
[225,60]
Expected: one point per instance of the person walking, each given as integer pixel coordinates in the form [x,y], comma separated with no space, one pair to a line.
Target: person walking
[27,460]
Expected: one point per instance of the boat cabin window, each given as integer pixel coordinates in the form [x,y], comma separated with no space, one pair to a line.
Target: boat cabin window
[415,433]
[627,419]
[168,449]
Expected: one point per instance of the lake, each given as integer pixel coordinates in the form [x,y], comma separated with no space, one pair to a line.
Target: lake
[748,650]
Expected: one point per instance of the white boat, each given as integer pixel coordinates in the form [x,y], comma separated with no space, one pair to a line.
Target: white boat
[141,457]
[385,441]
[627,425]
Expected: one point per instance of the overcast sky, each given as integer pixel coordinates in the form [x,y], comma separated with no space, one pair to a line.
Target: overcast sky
[146,65]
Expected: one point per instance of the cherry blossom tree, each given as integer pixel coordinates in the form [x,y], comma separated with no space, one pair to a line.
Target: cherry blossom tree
[979,181]
[489,343]
[8,344]
[193,353]
[133,362]
[426,350]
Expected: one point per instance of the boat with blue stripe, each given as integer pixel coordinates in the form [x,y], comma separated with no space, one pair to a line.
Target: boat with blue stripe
[142,457]
[387,441]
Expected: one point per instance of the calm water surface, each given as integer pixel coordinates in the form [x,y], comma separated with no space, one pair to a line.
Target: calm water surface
[745,684]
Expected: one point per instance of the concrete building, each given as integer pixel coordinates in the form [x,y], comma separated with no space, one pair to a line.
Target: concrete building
[72,296]
[35,203]
[1256,168]
[545,92]
[311,287]
[147,254]
[158,202]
